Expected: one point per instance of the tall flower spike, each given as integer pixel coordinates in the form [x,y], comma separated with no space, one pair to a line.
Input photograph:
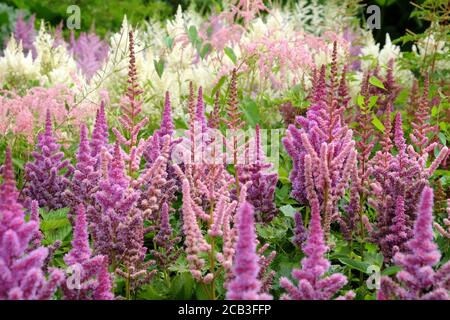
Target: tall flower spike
[214,116]
[200,117]
[417,280]
[24,33]
[312,285]
[300,232]
[95,281]
[245,284]
[22,276]
[45,180]
[100,135]
[166,127]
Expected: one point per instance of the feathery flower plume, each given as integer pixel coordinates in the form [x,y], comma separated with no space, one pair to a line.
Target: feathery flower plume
[322,151]
[100,135]
[417,280]
[94,282]
[21,270]
[24,33]
[261,192]
[245,284]
[300,232]
[214,116]
[131,110]
[45,181]
[312,285]
[402,176]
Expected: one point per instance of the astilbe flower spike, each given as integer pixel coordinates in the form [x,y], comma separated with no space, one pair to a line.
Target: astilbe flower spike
[131,110]
[24,33]
[21,270]
[119,230]
[94,281]
[417,280]
[245,284]
[402,176]
[261,192]
[300,232]
[312,285]
[100,135]
[45,181]
[441,229]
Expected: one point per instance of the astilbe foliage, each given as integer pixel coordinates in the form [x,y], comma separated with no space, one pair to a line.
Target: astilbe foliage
[119,230]
[395,191]
[45,180]
[441,229]
[417,280]
[21,270]
[92,279]
[261,192]
[245,285]
[312,285]
[322,151]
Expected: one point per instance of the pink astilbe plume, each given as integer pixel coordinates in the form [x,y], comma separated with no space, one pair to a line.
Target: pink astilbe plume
[92,283]
[46,181]
[118,232]
[312,285]
[131,120]
[245,284]
[21,270]
[395,191]
[322,150]
[417,280]
[261,192]
[100,134]
[89,52]
[25,34]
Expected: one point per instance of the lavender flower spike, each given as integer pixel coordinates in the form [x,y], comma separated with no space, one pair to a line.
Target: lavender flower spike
[245,284]
[21,271]
[167,127]
[311,283]
[100,136]
[418,280]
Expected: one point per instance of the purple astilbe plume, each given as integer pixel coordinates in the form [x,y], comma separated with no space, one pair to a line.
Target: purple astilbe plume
[167,253]
[119,231]
[265,275]
[92,283]
[85,178]
[131,121]
[24,33]
[300,232]
[441,229]
[261,192]
[322,151]
[100,135]
[89,52]
[45,180]
[417,280]
[312,285]
[34,216]
[245,284]
[21,270]
[398,177]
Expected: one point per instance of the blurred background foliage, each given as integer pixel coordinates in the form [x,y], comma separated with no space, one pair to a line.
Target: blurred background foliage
[397,16]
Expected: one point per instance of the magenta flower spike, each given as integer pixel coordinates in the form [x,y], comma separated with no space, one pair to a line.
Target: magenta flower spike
[166,127]
[45,180]
[312,285]
[100,135]
[24,33]
[418,280]
[245,284]
[200,116]
[21,270]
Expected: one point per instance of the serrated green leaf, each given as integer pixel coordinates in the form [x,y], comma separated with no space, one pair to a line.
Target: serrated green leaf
[159,67]
[372,101]
[442,138]
[360,101]
[205,50]
[230,53]
[376,82]
[377,123]
[193,34]
[288,210]
[389,271]
[357,265]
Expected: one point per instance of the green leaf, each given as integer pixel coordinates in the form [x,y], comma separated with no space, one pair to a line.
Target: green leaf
[372,101]
[159,67]
[230,53]
[389,271]
[376,82]
[357,265]
[377,123]
[169,42]
[205,50]
[193,34]
[360,101]
[434,111]
[218,85]
[288,210]
[442,138]
[251,112]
